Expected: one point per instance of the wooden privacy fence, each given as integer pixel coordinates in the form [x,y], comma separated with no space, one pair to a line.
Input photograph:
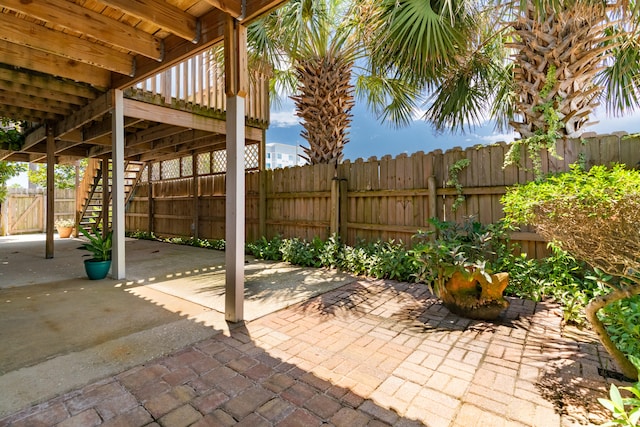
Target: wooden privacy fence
[24,210]
[387,198]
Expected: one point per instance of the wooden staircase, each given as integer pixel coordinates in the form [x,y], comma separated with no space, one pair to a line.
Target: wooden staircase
[92,196]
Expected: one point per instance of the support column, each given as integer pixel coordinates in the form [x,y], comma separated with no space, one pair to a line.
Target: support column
[236,79]
[76,216]
[262,202]
[117,185]
[51,191]
[150,198]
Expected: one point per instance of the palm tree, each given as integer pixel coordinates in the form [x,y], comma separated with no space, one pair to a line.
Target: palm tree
[537,66]
[318,51]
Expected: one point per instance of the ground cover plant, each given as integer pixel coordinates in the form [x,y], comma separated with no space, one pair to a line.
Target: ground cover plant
[218,244]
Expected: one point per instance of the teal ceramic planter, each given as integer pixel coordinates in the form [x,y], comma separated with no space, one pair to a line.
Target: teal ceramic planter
[97,270]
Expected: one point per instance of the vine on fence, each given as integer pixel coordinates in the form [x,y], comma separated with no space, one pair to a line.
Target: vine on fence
[453,181]
[542,139]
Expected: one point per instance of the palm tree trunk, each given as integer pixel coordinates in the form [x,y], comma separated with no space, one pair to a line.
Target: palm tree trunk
[324,103]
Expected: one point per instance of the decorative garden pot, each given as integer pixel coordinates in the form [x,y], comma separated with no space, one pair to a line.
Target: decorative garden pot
[474,297]
[64,232]
[96,269]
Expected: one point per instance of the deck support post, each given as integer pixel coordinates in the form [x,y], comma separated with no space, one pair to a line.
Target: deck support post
[51,190]
[117,186]
[236,77]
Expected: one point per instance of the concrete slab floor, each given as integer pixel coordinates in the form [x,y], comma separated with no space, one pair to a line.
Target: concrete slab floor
[61,330]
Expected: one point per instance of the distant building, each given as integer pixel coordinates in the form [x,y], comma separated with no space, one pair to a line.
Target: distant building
[282,155]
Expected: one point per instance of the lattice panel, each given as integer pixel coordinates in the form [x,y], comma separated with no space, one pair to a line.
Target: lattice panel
[219,161]
[155,172]
[145,174]
[252,156]
[187,166]
[171,169]
[204,163]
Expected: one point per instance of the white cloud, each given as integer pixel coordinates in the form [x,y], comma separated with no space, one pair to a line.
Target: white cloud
[497,137]
[284,119]
[629,123]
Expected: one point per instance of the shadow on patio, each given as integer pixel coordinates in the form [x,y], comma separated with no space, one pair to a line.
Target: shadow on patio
[367,353]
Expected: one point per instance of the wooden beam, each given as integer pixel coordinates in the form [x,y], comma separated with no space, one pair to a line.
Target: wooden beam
[91,111]
[153,133]
[185,136]
[232,7]
[34,36]
[235,56]
[17,113]
[48,94]
[31,59]
[160,13]
[83,20]
[103,128]
[35,103]
[74,136]
[28,78]
[37,135]
[65,145]
[180,151]
[156,113]
[15,157]
[75,152]
[257,8]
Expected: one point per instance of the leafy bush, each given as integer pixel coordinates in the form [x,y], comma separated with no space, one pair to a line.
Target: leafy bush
[559,277]
[266,249]
[625,410]
[389,260]
[594,215]
[622,321]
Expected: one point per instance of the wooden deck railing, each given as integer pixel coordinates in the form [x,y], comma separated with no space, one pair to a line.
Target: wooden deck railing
[199,81]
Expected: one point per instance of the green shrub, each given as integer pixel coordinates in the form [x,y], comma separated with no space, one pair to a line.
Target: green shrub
[559,277]
[595,216]
[625,410]
[622,321]
[266,249]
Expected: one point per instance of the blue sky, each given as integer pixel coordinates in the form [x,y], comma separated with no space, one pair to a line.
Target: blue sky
[369,137]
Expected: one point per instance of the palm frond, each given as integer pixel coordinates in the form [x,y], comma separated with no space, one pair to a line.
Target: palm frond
[419,39]
[621,78]
[392,100]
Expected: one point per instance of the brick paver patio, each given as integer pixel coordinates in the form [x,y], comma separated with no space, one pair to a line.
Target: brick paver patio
[371,353]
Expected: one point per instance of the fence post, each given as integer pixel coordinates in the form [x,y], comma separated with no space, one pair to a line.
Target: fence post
[344,210]
[335,206]
[433,202]
[196,196]
[4,213]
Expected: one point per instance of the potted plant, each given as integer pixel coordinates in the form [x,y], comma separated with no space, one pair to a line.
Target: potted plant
[457,262]
[65,227]
[100,247]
